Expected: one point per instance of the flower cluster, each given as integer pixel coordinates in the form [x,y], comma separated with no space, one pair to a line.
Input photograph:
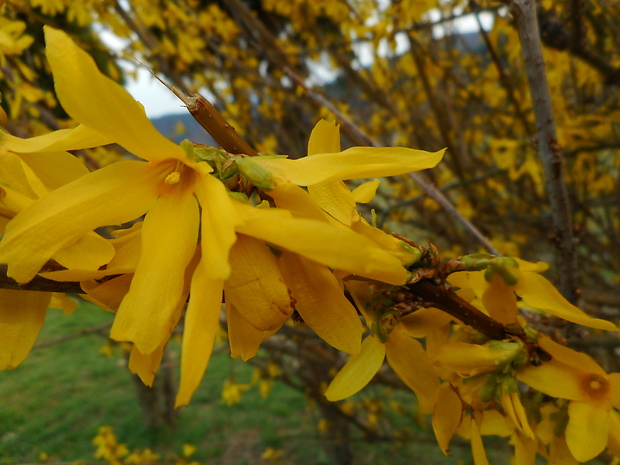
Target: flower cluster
[190,227]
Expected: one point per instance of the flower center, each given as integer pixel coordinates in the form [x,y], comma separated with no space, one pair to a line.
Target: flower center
[596,386]
[175,176]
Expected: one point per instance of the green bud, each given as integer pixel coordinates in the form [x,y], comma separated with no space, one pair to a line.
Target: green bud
[256,173]
[506,267]
[188,148]
[489,389]
[476,262]
[509,385]
[414,252]
[239,196]
[210,154]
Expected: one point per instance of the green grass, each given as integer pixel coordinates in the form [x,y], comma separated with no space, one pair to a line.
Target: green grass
[56,400]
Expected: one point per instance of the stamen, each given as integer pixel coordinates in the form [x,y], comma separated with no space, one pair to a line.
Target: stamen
[175,176]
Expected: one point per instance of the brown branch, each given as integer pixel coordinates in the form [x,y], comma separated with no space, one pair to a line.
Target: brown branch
[84,332]
[445,299]
[39,283]
[215,124]
[549,150]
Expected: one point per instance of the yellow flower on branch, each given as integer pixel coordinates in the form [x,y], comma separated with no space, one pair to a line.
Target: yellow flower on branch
[175,190]
[388,339]
[495,289]
[593,395]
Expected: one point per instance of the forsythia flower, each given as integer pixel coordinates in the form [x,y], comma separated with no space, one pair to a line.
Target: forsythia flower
[180,197]
[29,168]
[593,395]
[404,354]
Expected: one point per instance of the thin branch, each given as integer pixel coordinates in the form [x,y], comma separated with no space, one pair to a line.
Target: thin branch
[549,150]
[445,299]
[39,283]
[84,332]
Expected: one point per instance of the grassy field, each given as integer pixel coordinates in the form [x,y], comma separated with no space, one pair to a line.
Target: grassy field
[56,400]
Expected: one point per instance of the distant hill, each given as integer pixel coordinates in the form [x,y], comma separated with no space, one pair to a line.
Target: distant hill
[167,125]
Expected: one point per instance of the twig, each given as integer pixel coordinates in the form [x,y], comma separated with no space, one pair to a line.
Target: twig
[445,299]
[69,337]
[549,150]
[215,124]
[39,283]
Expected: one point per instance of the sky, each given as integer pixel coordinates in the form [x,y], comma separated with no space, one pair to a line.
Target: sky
[158,100]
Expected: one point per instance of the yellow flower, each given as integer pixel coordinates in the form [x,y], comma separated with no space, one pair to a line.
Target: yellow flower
[29,169]
[592,393]
[404,354]
[179,197]
[497,295]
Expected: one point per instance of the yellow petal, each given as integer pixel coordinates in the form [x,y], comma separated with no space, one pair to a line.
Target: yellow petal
[320,301]
[324,138]
[353,163]
[410,362]
[14,201]
[358,371]
[500,301]
[219,219]
[90,252]
[22,314]
[55,169]
[545,379]
[318,241]
[472,359]
[447,416]
[62,140]
[364,193]
[115,194]
[613,445]
[169,236]
[559,453]
[295,199]
[538,267]
[16,175]
[243,338]
[525,450]
[109,294]
[335,198]
[587,430]
[541,294]
[614,389]
[145,366]
[424,321]
[513,408]
[63,302]
[100,103]
[477,447]
[406,253]
[495,424]
[201,326]
[255,287]
[560,353]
